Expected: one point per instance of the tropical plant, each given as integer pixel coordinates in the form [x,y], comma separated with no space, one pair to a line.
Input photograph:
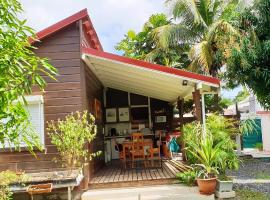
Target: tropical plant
[142,45]
[249,63]
[211,106]
[249,126]
[192,134]
[187,177]
[241,95]
[207,26]
[207,154]
[220,139]
[70,136]
[20,70]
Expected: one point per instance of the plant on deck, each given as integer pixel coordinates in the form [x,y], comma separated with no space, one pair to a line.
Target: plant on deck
[71,136]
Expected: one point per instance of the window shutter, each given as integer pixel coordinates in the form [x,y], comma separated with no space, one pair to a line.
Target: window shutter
[36,115]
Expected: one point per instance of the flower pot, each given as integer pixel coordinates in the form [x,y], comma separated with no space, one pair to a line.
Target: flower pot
[39,189]
[207,186]
[224,186]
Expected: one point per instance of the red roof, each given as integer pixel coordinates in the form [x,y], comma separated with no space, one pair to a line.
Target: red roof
[83,14]
[151,66]
[91,34]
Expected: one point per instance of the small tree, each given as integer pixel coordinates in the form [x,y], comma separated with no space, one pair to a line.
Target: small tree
[20,70]
[71,135]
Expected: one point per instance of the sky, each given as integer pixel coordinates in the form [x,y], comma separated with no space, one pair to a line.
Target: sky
[111,18]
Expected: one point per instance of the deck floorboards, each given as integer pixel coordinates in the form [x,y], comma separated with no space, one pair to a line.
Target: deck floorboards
[114,173]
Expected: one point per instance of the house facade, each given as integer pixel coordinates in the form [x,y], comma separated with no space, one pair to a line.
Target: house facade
[104,84]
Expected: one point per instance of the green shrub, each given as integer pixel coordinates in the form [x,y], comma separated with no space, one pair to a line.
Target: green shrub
[187,177]
[71,136]
[221,131]
[6,178]
[259,146]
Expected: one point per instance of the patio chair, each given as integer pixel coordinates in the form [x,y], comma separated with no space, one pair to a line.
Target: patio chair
[137,151]
[154,152]
[137,137]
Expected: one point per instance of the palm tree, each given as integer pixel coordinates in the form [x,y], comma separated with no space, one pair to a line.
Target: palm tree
[207,26]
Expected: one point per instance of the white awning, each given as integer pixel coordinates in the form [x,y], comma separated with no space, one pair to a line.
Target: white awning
[145,78]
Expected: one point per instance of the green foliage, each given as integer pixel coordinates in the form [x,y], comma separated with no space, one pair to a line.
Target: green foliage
[20,70]
[241,95]
[259,146]
[142,45]
[71,136]
[188,177]
[216,151]
[249,63]
[207,155]
[6,178]
[212,106]
[249,126]
[245,194]
[5,193]
[205,25]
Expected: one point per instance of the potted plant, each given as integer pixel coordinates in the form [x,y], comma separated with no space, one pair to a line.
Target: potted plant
[207,155]
[228,160]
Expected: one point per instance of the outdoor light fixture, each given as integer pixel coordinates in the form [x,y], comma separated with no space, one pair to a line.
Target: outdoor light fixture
[185,82]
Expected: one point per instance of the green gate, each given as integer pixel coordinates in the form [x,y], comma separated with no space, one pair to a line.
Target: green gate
[250,139]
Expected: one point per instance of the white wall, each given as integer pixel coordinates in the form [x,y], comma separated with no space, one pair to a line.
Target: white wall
[265,122]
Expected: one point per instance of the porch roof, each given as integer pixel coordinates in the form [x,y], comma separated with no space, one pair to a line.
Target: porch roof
[145,78]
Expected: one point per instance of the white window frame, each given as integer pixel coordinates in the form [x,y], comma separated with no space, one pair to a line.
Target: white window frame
[37,99]
[33,99]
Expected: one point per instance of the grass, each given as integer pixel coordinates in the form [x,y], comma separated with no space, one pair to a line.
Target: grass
[263,175]
[245,194]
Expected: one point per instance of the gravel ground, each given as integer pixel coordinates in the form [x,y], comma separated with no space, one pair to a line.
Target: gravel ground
[253,174]
[252,169]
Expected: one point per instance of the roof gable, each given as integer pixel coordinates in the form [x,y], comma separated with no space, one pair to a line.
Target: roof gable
[87,25]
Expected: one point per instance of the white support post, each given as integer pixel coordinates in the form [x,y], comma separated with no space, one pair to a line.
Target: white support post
[149,113]
[203,117]
[69,193]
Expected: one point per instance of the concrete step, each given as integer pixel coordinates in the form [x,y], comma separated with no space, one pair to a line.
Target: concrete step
[162,192]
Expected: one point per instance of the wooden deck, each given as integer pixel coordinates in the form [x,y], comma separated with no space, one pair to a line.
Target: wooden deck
[113,175]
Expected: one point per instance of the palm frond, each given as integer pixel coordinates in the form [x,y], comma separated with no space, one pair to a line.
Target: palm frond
[200,54]
[220,28]
[186,11]
[170,35]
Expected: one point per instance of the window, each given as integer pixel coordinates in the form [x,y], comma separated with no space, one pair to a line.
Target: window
[36,115]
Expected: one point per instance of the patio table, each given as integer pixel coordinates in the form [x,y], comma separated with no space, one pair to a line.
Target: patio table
[127,145]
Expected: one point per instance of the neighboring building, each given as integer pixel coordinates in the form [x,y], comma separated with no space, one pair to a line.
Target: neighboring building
[251,108]
[91,79]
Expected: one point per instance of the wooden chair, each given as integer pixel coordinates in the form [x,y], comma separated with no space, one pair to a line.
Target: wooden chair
[137,137]
[121,153]
[137,150]
[154,153]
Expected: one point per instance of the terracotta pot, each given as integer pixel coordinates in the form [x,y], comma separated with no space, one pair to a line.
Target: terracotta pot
[207,186]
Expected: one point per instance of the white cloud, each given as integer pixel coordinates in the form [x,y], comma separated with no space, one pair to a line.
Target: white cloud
[111,18]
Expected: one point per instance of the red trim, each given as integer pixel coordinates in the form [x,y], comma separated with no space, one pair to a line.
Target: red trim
[263,112]
[151,66]
[83,14]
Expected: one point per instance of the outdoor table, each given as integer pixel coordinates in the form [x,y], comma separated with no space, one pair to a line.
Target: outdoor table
[127,145]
